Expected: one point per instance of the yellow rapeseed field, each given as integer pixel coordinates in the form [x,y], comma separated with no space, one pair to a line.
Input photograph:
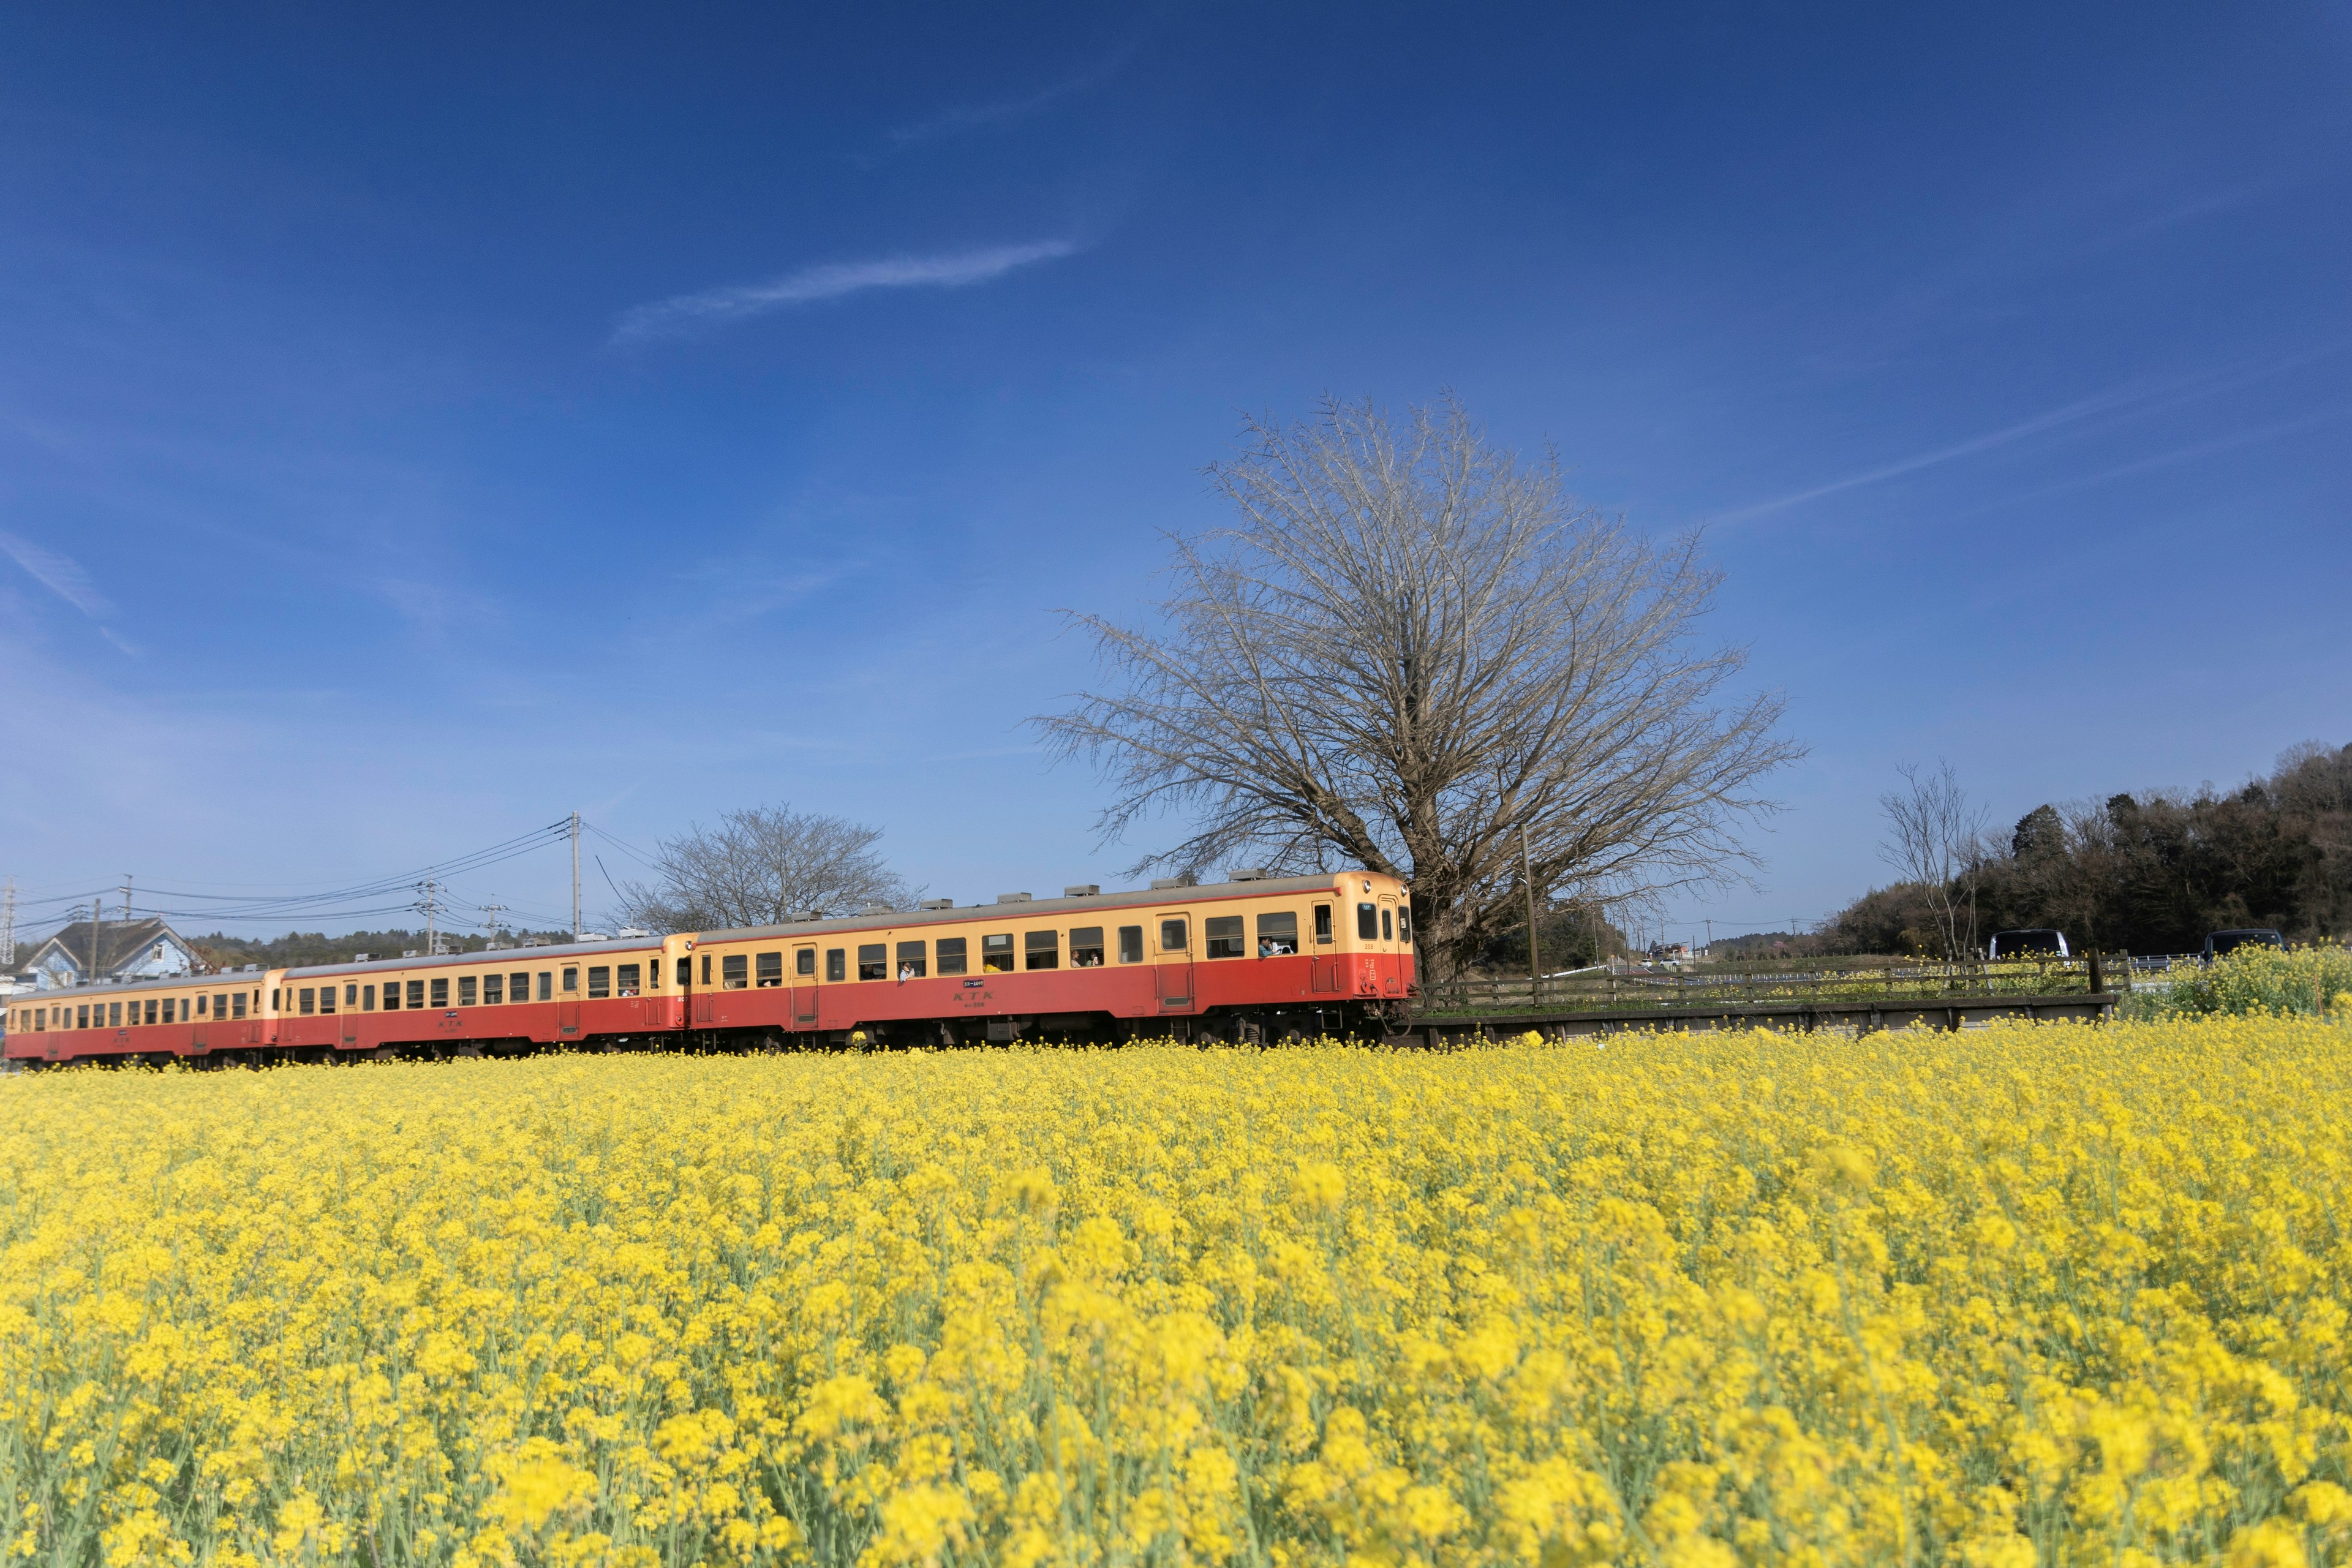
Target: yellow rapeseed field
[2058,1295]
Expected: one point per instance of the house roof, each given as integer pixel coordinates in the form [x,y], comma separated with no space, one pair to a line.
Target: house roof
[118,942]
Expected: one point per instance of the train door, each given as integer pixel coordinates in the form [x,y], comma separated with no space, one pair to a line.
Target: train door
[350,1022]
[1171,967]
[1392,964]
[804,986]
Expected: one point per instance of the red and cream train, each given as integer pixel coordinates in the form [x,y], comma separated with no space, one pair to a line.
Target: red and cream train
[1244,960]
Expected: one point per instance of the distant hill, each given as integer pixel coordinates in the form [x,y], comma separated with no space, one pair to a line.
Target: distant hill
[296,948]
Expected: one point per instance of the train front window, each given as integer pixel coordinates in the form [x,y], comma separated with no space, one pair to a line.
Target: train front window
[911,961]
[1086,947]
[951,955]
[1388,925]
[1224,935]
[1277,934]
[996,953]
[1042,949]
[1368,923]
[684,972]
[1130,944]
[873,961]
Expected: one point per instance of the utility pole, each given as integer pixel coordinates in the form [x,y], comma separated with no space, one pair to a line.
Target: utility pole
[575,876]
[1710,939]
[96,909]
[8,923]
[494,911]
[1528,879]
[126,897]
[430,905]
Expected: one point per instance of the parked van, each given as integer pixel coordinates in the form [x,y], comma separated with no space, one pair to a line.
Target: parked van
[2220,941]
[2021,943]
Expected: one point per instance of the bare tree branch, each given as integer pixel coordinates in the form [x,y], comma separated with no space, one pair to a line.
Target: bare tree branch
[762,866]
[1936,838]
[1408,648]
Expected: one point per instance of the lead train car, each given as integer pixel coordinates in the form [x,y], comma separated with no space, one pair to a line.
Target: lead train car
[1246,961]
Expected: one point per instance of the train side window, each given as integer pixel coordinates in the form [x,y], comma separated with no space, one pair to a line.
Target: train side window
[772,969]
[951,955]
[1086,947]
[469,990]
[836,963]
[996,953]
[627,980]
[1388,925]
[873,961]
[1404,924]
[600,980]
[326,999]
[494,989]
[152,1005]
[171,1009]
[1224,935]
[367,998]
[911,961]
[571,979]
[1368,923]
[1173,937]
[392,995]
[81,1016]
[441,992]
[1322,923]
[1130,944]
[1042,949]
[308,999]
[237,1005]
[415,993]
[804,963]
[1277,934]
[734,971]
[546,985]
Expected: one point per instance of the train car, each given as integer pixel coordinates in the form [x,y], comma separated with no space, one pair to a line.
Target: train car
[1248,960]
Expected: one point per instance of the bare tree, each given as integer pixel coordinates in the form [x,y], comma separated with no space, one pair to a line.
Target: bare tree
[1935,838]
[759,866]
[1408,648]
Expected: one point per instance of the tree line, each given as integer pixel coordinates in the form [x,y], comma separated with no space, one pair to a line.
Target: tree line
[2148,872]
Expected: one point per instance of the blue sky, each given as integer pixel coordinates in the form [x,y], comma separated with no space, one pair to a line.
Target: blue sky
[413,426]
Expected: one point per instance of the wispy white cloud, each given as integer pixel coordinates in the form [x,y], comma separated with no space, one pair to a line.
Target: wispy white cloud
[2124,402]
[980,117]
[60,574]
[713,306]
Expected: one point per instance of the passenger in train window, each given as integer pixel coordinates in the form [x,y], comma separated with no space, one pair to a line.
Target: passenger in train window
[770,969]
[1277,934]
[1086,947]
[625,980]
[1130,944]
[911,961]
[996,953]
[873,961]
[733,972]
